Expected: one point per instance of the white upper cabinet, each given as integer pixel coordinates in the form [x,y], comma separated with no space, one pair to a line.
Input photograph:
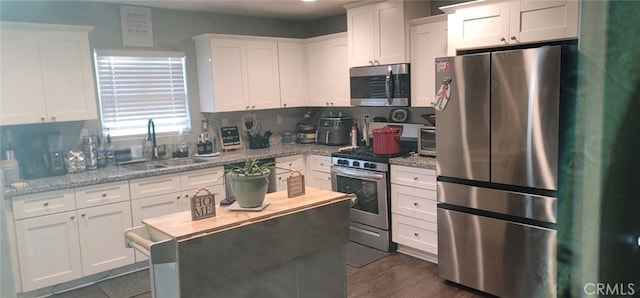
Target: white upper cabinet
[46,74]
[378,32]
[292,65]
[328,70]
[428,41]
[511,22]
[237,73]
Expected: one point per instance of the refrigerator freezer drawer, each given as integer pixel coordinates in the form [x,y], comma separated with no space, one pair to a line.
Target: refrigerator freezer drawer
[502,258]
[530,206]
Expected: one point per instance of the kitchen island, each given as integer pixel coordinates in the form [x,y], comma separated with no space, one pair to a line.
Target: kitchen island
[294,247]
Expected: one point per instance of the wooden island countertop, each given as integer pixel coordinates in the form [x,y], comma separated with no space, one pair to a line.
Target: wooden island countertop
[180,227]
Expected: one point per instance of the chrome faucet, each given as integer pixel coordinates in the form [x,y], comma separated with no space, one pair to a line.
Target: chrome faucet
[151,136]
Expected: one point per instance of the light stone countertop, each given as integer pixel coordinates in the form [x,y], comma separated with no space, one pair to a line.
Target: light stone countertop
[120,173]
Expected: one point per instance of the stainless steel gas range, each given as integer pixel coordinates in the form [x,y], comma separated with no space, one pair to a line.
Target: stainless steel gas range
[366,175]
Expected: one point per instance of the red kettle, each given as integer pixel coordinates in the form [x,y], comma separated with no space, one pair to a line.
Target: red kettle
[386,140]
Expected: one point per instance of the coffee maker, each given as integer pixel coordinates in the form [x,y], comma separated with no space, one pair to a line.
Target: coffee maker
[40,155]
[55,156]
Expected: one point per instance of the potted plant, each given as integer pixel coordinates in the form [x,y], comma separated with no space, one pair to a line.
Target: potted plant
[250,183]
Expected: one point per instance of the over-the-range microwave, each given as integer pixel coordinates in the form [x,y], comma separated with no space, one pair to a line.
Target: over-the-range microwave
[380,85]
[427,141]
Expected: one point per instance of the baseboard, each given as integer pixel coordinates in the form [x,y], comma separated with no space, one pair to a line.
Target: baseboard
[429,257]
[84,281]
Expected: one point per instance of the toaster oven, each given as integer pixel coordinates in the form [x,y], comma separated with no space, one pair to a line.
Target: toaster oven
[427,141]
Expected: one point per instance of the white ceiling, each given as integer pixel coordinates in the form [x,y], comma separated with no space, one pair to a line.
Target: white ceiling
[281,9]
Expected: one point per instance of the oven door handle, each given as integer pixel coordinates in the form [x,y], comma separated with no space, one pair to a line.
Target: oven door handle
[355,174]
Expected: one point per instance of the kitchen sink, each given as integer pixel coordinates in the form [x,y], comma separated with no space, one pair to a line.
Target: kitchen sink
[146,166]
[182,161]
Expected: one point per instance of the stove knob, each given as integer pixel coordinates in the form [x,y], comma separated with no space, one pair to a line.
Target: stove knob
[355,164]
[370,165]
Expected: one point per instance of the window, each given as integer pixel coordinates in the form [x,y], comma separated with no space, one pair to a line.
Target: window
[135,86]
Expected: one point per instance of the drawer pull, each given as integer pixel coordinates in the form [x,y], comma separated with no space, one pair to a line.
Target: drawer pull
[178,198]
[416,234]
[83,215]
[73,217]
[415,204]
[415,178]
[104,195]
[46,204]
[186,196]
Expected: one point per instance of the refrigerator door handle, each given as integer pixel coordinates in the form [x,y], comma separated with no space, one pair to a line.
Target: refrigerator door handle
[388,88]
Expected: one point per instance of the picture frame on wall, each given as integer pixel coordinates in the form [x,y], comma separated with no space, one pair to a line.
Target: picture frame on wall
[137,28]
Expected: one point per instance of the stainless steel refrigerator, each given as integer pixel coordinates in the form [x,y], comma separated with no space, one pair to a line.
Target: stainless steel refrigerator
[497,145]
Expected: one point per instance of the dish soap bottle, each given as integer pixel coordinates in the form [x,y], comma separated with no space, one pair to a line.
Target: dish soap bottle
[182,150]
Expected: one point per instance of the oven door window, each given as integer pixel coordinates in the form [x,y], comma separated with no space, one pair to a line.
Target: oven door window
[366,192]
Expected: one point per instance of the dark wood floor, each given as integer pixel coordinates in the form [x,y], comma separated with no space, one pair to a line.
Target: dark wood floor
[397,276]
[400,275]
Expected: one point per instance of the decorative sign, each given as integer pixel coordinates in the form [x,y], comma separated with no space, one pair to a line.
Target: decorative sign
[137,30]
[230,137]
[202,206]
[295,184]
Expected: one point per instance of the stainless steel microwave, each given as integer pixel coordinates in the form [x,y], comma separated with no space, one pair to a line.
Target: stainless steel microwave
[427,141]
[380,85]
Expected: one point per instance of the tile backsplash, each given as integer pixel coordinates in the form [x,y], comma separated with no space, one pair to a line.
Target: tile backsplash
[275,120]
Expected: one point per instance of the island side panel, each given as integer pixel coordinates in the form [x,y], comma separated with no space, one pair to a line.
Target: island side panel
[211,264]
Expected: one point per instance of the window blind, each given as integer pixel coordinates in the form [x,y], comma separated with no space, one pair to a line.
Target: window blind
[134,87]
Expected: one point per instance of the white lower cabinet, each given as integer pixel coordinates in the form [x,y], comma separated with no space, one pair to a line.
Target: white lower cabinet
[48,249]
[318,171]
[212,179]
[154,196]
[166,194]
[101,232]
[413,211]
[284,166]
[57,243]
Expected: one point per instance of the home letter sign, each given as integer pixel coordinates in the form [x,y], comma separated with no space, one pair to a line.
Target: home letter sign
[295,184]
[202,206]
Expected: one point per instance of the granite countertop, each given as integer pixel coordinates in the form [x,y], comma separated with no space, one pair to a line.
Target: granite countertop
[120,173]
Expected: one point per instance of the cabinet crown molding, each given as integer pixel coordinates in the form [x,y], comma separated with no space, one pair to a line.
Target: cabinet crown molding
[43,27]
[453,7]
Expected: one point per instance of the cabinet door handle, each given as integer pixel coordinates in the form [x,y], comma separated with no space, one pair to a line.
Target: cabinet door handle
[178,198]
[72,217]
[42,118]
[416,234]
[53,118]
[104,195]
[513,38]
[246,108]
[279,178]
[376,62]
[284,105]
[415,178]
[46,204]
[186,196]
[253,107]
[502,39]
[83,215]
[327,103]
[370,62]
